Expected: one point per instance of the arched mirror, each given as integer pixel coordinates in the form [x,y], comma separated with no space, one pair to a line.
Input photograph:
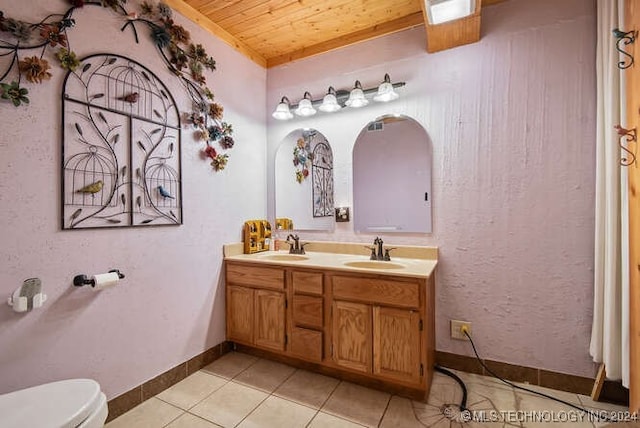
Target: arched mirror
[304,182]
[392,177]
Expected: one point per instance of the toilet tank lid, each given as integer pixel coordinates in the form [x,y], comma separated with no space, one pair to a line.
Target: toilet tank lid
[63,404]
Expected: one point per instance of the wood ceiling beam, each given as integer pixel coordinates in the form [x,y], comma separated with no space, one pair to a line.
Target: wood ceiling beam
[413,20]
[454,33]
[204,22]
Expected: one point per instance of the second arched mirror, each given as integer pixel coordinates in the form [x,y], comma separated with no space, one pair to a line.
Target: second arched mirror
[304,182]
[392,177]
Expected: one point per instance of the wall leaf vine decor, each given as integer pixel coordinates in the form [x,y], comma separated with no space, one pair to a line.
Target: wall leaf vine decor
[50,38]
[302,157]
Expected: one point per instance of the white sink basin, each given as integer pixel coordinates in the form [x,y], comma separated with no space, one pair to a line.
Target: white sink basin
[285,257]
[374,264]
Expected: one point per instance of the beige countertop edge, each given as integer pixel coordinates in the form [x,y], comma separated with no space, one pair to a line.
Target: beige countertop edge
[415,267]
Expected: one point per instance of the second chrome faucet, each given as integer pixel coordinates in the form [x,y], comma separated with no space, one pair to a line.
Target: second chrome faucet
[295,247]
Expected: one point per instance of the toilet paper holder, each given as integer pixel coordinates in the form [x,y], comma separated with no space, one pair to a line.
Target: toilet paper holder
[80,280]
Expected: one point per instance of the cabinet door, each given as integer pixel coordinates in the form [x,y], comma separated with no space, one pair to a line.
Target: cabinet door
[396,344]
[240,314]
[269,327]
[351,335]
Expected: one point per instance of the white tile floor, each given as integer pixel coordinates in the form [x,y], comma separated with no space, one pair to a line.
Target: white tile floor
[240,390]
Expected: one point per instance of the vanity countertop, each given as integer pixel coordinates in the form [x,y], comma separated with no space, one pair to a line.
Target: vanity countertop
[415,262]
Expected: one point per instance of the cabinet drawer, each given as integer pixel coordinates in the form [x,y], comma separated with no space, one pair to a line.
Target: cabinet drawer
[307,282]
[307,310]
[306,344]
[374,290]
[260,277]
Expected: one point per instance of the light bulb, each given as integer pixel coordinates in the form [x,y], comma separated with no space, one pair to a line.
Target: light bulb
[305,108]
[282,112]
[330,102]
[385,91]
[356,97]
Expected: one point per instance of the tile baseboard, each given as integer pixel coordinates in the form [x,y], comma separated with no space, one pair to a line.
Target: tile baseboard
[130,399]
[612,392]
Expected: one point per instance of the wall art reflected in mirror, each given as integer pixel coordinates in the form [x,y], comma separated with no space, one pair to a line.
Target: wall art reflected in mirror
[304,182]
[392,160]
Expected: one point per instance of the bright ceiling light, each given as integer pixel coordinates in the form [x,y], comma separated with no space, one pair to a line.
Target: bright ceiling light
[356,97]
[330,102]
[448,10]
[282,112]
[305,108]
[386,92]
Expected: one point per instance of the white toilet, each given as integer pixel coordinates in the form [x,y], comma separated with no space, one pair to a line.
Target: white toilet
[73,403]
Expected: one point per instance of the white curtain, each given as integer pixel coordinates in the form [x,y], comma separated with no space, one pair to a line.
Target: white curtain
[610,330]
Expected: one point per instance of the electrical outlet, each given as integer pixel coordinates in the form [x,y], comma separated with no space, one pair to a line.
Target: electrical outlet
[456,329]
[342,214]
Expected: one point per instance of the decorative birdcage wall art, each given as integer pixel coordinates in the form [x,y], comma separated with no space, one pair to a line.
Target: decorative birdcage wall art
[322,176]
[121,161]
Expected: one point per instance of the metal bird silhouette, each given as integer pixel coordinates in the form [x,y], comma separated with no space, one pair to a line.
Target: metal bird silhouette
[92,188]
[130,98]
[164,193]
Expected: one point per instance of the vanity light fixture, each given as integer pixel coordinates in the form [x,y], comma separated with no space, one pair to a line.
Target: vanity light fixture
[356,97]
[334,99]
[439,11]
[386,92]
[305,108]
[282,112]
[330,101]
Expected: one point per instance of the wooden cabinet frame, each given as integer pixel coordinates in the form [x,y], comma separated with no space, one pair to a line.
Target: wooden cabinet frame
[378,330]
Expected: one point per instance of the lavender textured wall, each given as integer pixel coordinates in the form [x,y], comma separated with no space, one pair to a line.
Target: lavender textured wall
[512,123]
[170,307]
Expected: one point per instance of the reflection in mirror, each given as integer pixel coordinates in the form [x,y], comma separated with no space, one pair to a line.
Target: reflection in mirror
[304,182]
[392,177]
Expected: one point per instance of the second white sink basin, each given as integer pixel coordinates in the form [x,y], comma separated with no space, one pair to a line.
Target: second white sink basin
[374,264]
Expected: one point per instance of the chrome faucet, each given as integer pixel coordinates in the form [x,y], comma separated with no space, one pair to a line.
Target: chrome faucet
[295,247]
[378,252]
[378,242]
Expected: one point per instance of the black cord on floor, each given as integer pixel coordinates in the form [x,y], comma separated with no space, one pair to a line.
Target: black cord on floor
[542,394]
[463,402]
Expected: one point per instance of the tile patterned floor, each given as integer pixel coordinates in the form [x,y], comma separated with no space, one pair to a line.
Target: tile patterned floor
[240,390]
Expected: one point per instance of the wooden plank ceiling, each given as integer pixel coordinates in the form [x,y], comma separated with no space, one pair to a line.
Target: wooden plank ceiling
[274,32]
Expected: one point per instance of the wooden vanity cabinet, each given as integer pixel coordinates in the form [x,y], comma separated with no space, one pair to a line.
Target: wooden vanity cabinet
[256,305]
[367,327]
